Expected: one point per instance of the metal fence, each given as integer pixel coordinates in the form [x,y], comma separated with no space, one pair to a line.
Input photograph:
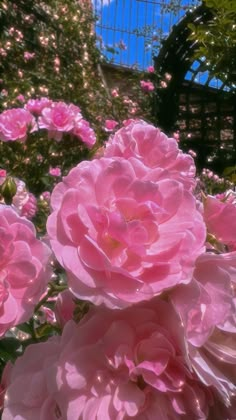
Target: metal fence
[130,31]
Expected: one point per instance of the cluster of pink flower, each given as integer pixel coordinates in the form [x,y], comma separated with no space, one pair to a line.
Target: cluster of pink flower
[211,183]
[57,118]
[159,341]
[147,86]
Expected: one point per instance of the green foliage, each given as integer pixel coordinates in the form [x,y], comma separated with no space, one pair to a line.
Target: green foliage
[32,160]
[230,173]
[217,40]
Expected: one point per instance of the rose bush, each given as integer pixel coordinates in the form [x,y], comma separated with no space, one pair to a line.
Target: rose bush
[129,233]
[44,134]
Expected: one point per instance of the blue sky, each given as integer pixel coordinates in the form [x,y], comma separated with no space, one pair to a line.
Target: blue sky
[118,19]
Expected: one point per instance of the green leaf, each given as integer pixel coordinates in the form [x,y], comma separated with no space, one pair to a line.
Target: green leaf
[10,348]
[229,170]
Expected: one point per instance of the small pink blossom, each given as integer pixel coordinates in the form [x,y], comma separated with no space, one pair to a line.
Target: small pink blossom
[150,69]
[192,153]
[24,268]
[3,173]
[21,98]
[110,125]
[57,63]
[28,55]
[15,124]
[147,86]
[55,171]
[3,52]
[46,315]
[39,158]
[168,76]
[115,93]
[59,118]
[46,195]
[20,74]
[4,92]
[176,136]
[163,84]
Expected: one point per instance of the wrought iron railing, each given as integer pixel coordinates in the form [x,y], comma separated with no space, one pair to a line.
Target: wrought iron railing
[130,31]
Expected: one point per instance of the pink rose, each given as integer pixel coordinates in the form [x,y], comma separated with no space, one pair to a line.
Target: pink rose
[46,195]
[115,93]
[15,124]
[123,239]
[112,365]
[110,125]
[55,171]
[220,218]
[83,130]
[3,173]
[36,105]
[152,147]
[150,69]
[24,269]
[28,55]
[147,86]
[59,118]
[21,98]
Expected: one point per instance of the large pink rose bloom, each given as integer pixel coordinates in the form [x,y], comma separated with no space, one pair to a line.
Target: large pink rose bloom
[113,365]
[148,144]
[24,271]
[122,239]
[59,118]
[15,124]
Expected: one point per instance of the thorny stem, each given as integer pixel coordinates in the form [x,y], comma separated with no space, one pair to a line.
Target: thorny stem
[53,289]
